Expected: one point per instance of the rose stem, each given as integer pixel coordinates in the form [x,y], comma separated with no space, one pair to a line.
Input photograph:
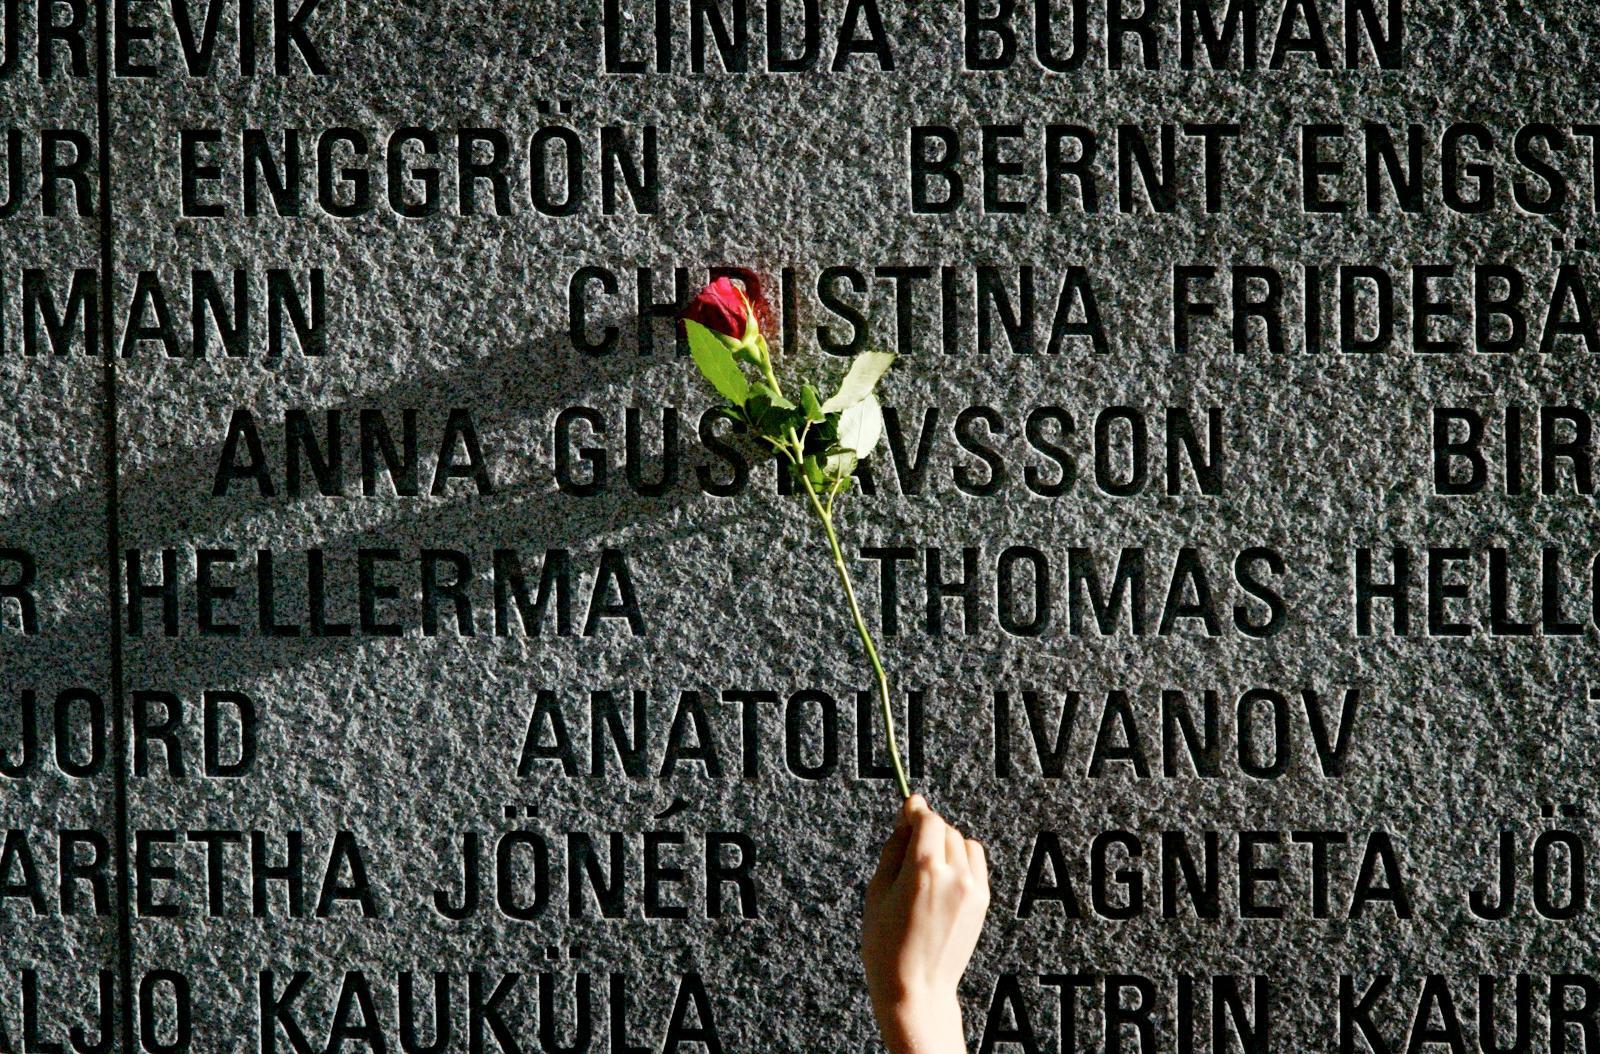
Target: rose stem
[795,450]
[866,637]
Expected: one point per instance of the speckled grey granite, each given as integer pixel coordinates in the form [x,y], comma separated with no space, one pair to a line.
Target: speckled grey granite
[409,742]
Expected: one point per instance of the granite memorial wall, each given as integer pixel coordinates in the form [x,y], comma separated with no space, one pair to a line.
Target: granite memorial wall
[400,655]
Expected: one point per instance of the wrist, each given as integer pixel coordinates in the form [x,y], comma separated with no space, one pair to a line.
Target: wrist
[923,1023]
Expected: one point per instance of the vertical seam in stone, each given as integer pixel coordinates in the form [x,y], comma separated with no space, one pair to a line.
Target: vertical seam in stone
[119,736]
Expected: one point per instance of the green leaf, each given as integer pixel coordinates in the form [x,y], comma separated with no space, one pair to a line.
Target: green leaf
[716,363]
[865,370]
[768,419]
[808,400]
[841,465]
[772,397]
[861,426]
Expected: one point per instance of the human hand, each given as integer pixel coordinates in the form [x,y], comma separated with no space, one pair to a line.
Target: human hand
[925,908]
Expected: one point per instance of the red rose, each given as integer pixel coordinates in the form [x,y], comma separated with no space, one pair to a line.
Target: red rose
[722,308]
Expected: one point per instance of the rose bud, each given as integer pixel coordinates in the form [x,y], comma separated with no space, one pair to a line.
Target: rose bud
[723,308]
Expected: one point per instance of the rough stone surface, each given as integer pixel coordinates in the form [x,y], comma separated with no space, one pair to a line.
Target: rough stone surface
[409,742]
